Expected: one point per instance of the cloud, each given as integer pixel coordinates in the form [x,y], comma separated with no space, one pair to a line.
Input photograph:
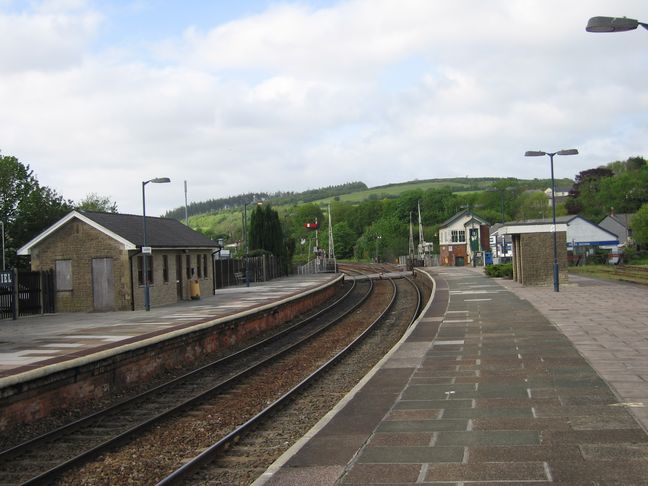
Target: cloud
[293,97]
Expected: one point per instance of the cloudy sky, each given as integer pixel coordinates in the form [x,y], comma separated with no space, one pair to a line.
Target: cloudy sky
[255,95]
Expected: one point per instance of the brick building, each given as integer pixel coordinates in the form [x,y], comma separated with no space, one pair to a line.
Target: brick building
[462,239]
[98,261]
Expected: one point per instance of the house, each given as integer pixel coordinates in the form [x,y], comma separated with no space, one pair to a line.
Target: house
[98,261]
[581,234]
[619,224]
[501,244]
[462,239]
[561,192]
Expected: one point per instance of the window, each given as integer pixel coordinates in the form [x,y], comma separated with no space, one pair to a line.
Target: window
[198,265]
[140,269]
[205,267]
[188,260]
[63,274]
[458,236]
[165,268]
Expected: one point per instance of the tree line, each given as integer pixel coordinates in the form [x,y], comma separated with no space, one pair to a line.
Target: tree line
[374,227]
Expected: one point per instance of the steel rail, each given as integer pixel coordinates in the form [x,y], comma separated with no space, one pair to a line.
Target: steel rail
[46,476]
[209,454]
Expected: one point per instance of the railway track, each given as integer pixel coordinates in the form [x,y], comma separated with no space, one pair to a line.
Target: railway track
[41,460]
[245,453]
[136,430]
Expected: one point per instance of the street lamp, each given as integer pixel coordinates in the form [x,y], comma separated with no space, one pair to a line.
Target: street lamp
[3,248]
[246,247]
[378,238]
[534,153]
[146,250]
[613,24]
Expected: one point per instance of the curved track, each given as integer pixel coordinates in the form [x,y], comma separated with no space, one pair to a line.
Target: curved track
[243,455]
[40,460]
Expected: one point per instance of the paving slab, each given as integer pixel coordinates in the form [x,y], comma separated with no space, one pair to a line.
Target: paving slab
[514,385]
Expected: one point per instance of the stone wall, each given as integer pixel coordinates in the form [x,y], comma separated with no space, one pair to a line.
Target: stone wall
[80,243]
[79,385]
[166,292]
[533,258]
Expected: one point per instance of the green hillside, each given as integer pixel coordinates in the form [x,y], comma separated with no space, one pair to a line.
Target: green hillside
[228,223]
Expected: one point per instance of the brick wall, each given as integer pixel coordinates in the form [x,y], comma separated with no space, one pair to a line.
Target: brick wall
[447,257]
[533,258]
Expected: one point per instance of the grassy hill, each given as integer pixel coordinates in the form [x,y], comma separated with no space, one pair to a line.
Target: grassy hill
[228,222]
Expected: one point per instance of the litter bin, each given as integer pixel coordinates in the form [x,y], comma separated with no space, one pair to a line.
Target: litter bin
[194,289]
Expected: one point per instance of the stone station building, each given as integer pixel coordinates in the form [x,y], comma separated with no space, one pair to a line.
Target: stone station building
[98,261]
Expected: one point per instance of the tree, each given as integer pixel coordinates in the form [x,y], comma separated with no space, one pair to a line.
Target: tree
[344,239]
[94,202]
[583,198]
[266,234]
[533,205]
[26,207]
[639,224]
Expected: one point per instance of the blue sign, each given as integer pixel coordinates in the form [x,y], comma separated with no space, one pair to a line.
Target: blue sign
[488,257]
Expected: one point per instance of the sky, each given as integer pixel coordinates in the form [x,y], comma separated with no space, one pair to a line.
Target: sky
[262,96]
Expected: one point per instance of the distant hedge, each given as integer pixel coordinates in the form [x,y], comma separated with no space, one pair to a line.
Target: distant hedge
[504,270]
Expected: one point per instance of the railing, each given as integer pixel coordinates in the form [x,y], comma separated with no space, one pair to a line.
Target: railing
[232,271]
[27,293]
[318,265]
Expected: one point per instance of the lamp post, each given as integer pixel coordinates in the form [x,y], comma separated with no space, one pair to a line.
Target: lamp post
[3,248]
[613,24]
[146,250]
[245,247]
[378,238]
[538,153]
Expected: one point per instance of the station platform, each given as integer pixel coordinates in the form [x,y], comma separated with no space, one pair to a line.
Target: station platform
[36,342]
[496,384]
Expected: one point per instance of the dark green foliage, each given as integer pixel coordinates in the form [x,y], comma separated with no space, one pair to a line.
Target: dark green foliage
[503,270]
[639,225]
[344,238]
[94,202]
[266,234]
[621,187]
[277,198]
[26,207]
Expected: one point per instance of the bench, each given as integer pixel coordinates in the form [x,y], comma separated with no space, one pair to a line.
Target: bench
[239,277]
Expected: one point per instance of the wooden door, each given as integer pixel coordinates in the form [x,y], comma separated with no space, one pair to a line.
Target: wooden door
[178,265]
[103,288]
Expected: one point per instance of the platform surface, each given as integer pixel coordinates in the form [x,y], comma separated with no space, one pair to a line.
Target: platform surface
[498,384]
[29,343]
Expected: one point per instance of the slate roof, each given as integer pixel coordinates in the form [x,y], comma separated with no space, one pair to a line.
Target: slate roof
[460,214]
[160,232]
[559,219]
[128,229]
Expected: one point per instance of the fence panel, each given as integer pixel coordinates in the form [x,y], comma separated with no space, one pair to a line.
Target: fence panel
[230,272]
[6,294]
[29,293]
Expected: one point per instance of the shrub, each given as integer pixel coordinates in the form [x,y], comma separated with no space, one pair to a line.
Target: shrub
[503,270]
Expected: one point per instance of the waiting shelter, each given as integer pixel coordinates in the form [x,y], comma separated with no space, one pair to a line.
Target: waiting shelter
[533,250]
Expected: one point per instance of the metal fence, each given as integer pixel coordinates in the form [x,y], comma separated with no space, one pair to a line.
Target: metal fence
[318,265]
[232,271]
[26,293]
